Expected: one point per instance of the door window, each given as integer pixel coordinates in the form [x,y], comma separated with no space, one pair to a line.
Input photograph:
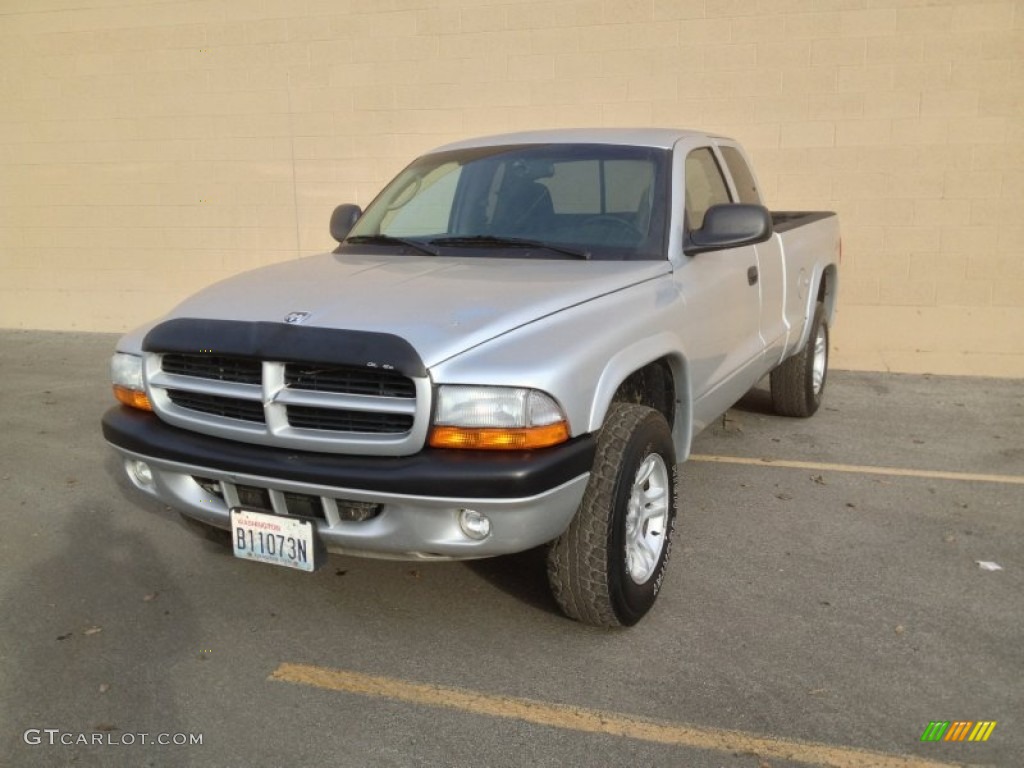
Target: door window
[746,187]
[704,186]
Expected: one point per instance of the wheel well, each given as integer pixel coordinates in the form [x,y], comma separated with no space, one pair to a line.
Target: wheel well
[653,386]
[827,291]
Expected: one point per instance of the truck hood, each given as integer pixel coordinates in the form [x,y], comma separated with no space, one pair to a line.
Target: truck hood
[440,305]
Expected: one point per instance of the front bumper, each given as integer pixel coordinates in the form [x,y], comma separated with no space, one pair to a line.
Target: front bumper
[529,497]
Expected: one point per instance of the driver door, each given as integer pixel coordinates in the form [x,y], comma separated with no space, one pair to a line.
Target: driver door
[722,299]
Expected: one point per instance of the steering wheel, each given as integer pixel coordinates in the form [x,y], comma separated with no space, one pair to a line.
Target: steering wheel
[608,222]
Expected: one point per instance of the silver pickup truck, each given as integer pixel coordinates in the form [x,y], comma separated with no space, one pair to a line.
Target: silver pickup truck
[513,346]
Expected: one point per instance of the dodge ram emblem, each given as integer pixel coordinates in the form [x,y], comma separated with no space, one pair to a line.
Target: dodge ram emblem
[296,317]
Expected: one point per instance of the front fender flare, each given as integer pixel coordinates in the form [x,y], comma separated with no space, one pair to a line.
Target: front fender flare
[666,346]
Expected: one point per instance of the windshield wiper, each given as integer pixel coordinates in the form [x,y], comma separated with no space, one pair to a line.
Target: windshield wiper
[389,240]
[494,241]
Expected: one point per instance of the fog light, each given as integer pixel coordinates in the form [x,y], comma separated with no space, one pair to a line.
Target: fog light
[474,524]
[140,471]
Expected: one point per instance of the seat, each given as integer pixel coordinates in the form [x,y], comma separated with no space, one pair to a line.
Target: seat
[524,209]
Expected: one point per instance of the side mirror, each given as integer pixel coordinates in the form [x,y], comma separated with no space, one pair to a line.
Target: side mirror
[343,219]
[730,225]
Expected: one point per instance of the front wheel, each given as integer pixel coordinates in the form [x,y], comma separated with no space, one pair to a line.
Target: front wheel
[798,383]
[609,565]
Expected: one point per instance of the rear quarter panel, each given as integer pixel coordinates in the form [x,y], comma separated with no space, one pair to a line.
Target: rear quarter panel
[809,250]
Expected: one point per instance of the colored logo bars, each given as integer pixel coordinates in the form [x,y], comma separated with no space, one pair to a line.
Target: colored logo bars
[958,730]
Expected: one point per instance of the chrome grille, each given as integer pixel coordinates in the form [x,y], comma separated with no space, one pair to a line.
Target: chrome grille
[348,380]
[348,421]
[220,367]
[332,408]
[229,408]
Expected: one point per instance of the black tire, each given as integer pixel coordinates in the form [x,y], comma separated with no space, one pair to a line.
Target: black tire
[210,533]
[587,565]
[793,382]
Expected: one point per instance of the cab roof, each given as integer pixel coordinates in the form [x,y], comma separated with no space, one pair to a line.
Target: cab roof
[659,138]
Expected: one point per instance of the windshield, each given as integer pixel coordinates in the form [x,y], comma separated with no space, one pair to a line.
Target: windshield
[546,200]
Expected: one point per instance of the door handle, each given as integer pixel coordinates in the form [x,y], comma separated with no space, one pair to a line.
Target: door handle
[752,276]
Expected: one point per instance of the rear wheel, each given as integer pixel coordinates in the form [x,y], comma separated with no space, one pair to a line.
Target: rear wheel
[609,565]
[798,383]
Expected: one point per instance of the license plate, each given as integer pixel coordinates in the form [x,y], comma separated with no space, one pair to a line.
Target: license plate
[273,539]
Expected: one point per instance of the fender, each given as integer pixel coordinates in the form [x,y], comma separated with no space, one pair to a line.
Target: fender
[663,345]
[831,271]
[817,275]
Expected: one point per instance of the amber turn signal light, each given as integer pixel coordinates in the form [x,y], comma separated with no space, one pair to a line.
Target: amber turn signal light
[497,439]
[132,398]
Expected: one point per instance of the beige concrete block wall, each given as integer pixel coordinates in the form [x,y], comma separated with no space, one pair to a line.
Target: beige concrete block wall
[150,148]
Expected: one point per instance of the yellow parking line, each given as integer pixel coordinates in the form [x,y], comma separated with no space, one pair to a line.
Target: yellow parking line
[863,469]
[597,721]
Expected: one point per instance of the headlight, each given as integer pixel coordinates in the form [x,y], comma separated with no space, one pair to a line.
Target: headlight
[496,418]
[126,376]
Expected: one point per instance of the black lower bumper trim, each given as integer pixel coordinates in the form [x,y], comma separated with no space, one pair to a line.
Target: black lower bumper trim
[431,472]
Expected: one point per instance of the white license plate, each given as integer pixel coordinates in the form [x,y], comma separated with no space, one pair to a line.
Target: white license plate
[273,539]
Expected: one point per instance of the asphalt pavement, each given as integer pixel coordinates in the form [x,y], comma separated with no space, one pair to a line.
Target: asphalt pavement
[830,595]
